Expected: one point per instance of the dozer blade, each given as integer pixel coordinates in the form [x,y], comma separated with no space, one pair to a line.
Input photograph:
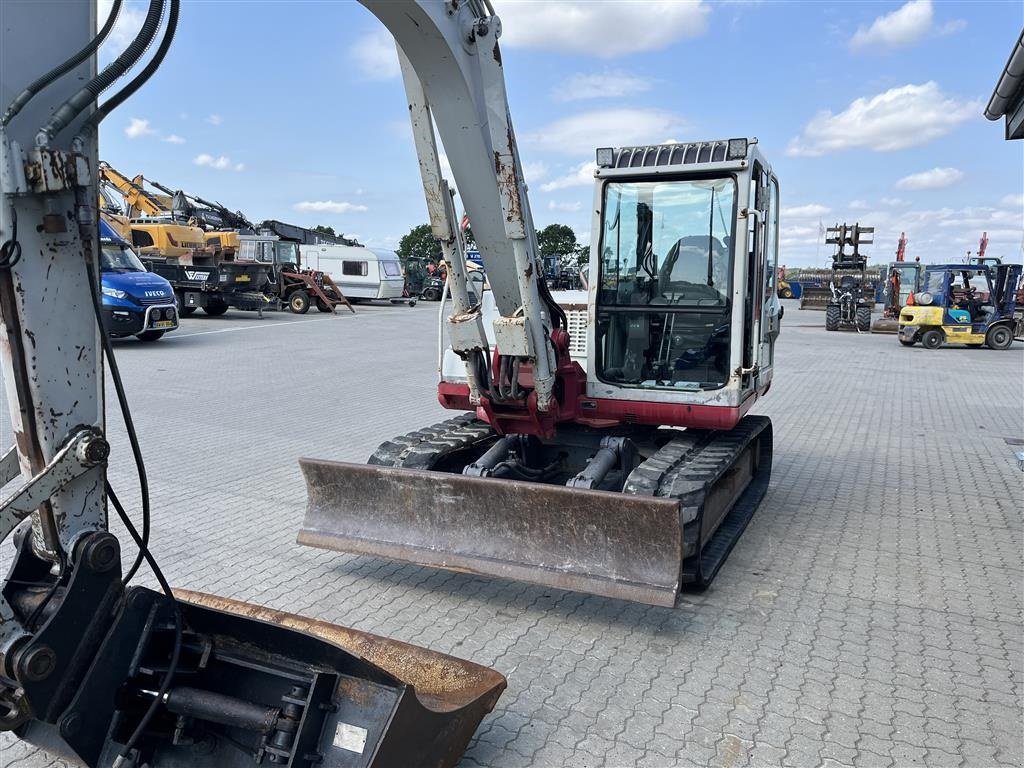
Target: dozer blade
[885,325]
[609,544]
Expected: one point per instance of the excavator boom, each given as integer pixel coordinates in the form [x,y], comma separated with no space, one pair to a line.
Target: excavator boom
[93,668]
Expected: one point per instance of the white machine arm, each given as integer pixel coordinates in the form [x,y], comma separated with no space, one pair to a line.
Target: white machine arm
[451,56]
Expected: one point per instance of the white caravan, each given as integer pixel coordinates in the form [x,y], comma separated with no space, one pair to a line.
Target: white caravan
[361,273]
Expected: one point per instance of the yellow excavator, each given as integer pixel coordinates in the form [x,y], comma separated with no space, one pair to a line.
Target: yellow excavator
[145,220]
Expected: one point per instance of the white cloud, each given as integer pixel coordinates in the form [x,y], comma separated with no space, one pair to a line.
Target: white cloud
[894,202]
[936,235]
[220,163]
[936,178]
[606,85]
[858,205]
[214,119]
[564,207]
[329,206]
[581,134]
[173,138]
[902,117]
[534,172]
[952,27]
[811,211]
[138,127]
[376,56]
[905,26]
[581,176]
[605,29]
[127,26]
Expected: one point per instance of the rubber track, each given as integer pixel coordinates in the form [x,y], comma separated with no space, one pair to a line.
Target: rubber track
[685,468]
[421,449]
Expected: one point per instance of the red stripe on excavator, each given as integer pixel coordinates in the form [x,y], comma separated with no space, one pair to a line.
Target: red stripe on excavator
[597,412]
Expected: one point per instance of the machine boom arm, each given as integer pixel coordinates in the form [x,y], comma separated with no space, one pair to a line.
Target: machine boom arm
[452,50]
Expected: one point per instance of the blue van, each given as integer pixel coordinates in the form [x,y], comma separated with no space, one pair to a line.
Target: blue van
[135,302]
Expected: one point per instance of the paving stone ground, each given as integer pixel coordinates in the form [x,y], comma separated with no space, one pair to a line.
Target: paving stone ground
[870,616]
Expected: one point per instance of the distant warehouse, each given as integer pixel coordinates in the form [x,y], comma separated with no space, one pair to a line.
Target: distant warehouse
[1008,97]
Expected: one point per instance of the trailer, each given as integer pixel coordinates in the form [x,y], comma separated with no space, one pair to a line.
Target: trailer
[364,274]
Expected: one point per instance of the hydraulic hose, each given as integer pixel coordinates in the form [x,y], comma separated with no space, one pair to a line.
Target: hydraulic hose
[140,79]
[78,103]
[59,71]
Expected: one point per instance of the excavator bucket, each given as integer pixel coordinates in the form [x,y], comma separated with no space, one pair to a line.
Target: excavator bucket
[423,712]
[885,325]
[611,544]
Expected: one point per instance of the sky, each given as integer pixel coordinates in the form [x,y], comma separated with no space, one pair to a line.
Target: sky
[867,111]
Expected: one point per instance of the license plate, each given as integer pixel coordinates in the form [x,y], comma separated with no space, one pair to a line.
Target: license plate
[163,324]
[243,279]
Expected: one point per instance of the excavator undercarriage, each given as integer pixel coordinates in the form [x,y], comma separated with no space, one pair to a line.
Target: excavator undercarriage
[633,513]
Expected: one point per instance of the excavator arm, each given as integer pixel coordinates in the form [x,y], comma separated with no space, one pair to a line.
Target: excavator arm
[452,69]
[93,667]
[137,200]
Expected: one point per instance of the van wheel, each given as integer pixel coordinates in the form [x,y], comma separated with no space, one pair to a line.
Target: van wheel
[999,337]
[298,302]
[216,308]
[149,335]
[932,339]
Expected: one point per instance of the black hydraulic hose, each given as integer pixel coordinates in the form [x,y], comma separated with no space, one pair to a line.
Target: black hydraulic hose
[126,414]
[89,92]
[140,79]
[59,71]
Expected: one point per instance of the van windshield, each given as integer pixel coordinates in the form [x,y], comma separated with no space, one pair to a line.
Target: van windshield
[116,258]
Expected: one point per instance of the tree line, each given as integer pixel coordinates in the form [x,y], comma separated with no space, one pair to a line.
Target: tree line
[557,243]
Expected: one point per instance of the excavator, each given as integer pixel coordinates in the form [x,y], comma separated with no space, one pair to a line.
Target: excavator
[901,279]
[144,220]
[625,478]
[94,667]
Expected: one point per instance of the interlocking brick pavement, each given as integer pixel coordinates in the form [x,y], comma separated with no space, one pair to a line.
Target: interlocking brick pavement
[870,616]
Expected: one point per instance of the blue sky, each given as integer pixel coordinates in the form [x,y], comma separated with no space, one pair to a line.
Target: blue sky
[868,111]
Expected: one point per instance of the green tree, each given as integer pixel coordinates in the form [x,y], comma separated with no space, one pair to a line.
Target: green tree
[556,240]
[581,256]
[419,244]
[324,230]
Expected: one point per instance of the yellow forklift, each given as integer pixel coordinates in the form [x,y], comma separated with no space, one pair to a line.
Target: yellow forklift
[970,304]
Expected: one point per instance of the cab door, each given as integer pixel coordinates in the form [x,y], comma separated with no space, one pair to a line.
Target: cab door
[771,308]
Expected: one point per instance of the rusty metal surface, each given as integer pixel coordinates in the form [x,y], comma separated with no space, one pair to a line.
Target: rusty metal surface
[442,683]
[588,541]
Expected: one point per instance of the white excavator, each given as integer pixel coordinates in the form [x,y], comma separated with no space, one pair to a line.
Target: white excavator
[625,479]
